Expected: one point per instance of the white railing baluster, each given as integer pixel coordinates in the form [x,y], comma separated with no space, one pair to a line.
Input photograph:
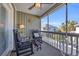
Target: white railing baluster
[66,45]
[77,46]
[57,40]
[63,43]
[71,45]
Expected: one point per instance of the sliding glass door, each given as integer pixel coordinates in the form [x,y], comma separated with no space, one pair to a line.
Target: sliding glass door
[2,29]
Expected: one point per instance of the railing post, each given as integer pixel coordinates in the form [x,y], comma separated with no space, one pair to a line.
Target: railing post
[66,26]
[77,46]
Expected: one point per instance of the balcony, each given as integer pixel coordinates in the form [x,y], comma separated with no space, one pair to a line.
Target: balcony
[54,43]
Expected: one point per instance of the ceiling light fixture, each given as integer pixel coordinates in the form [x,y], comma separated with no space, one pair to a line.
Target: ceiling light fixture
[37,5]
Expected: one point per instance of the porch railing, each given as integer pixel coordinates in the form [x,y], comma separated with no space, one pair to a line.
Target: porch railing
[67,44]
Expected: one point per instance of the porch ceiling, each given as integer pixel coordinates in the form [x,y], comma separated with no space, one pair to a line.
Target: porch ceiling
[35,11]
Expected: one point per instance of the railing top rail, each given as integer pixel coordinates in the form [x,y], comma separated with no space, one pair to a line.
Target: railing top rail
[62,33]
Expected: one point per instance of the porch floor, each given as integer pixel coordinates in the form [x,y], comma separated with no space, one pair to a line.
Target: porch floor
[46,50]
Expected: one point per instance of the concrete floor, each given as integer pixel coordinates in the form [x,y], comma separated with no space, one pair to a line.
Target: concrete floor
[46,50]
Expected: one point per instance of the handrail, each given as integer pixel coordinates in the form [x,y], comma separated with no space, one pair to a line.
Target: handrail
[62,33]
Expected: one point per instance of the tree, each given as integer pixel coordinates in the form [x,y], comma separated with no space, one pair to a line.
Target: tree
[70,26]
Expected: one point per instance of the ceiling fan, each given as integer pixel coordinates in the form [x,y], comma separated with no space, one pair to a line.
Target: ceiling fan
[35,5]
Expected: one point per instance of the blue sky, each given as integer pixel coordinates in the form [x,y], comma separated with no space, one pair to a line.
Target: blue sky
[58,16]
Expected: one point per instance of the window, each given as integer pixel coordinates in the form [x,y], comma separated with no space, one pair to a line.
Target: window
[73,17]
[44,24]
[56,19]
[53,22]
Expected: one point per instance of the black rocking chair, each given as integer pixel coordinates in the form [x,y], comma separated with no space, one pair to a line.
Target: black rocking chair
[37,39]
[25,48]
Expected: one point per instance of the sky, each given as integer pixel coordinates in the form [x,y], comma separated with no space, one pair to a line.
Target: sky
[59,15]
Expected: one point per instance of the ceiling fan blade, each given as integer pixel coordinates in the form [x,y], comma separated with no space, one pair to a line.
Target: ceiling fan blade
[32,6]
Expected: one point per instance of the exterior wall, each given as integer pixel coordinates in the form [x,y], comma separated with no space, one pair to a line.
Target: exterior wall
[77,30]
[30,22]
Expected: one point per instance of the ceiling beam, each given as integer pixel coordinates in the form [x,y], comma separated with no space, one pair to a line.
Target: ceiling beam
[52,9]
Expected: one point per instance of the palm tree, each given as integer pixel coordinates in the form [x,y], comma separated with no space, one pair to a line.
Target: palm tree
[70,26]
